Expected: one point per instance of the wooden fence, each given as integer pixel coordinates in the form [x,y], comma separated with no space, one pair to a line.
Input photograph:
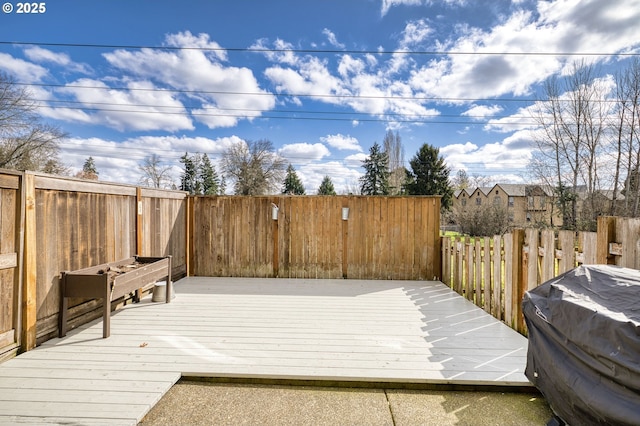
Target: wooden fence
[10,261]
[495,272]
[51,224]
[379,238]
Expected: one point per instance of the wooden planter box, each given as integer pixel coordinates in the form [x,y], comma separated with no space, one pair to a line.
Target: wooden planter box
[110,281]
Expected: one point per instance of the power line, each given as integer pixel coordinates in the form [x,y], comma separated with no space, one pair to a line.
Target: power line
[401,118]
[279,111]
[318,51]
[300,95]
[279,94]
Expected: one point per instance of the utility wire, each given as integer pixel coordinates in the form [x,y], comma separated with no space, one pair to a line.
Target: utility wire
[399,118]
[299,95]
[323,51]
[189,108]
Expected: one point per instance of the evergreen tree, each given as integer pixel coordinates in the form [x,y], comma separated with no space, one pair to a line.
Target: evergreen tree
[376,177]
[89,170]
[292,183]
[223,185]
[209,180]
[429,175]
[189,177]
[326,187]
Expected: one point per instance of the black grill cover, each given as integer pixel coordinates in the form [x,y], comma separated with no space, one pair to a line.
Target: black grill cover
[584,344]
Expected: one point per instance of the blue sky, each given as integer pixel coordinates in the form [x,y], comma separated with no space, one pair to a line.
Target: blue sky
[323,80]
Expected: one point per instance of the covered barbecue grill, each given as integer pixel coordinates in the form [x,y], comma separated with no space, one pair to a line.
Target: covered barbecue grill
[584,344]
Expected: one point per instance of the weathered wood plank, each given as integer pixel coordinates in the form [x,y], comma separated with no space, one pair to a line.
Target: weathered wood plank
[65,184]
[29,295]
[8,260]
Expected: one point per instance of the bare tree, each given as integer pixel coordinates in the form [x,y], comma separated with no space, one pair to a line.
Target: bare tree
[573,121]
[35,148]
[626,140]
[482,220]
[392,146]
[254,167]
[25,142]
[17,109]
[460,180]
[154,173]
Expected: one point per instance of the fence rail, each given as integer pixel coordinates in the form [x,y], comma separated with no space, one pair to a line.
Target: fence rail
[494,272]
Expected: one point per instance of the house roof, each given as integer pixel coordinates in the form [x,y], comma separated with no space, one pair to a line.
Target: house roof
[513,190]
[605,193]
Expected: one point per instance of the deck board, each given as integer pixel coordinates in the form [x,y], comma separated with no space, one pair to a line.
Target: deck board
[329,330]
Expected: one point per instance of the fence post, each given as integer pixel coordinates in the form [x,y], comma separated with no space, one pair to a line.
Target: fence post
[345,238]
[532,240]
[496,292]
[139,241]
[606,234]
[29,303]
[468,273]
[189,255]
[517,290]
[487,275]
[275,218]
[549,258]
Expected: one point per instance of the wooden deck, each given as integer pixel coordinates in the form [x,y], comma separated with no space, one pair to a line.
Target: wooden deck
[396,332]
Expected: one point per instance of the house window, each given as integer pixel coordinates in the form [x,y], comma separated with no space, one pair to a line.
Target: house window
[464,202]
[478,201]
[528,217]
[531,202]
[510,201]
[543,201]
[497,200]
[511,216]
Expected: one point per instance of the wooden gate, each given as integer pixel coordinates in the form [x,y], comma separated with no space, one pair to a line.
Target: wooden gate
[10,227]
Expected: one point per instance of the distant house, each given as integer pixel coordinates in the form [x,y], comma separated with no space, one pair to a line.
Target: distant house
[599,202]
[526,205]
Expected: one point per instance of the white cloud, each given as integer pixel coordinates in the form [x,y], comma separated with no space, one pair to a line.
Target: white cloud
[342,142]
[557,27]
[301,153]
[140,107]
[23,71]
[201,41]
[388,4]
[281,52]
[358,85]
[226,88]
[481,112]
[512,155]
[342,176]
[39,54]
[333,40]
[415,33]
[118,161]
[312,77]
[355,160]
